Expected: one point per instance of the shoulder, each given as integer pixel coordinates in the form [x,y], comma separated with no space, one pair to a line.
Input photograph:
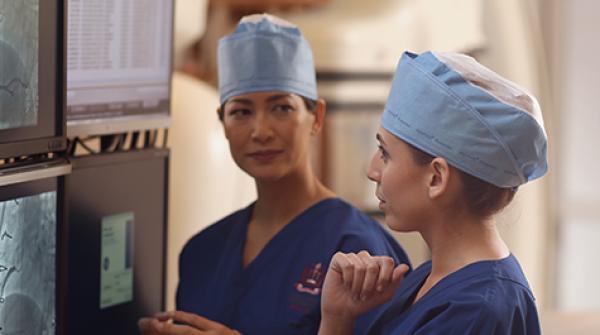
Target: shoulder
[505,307]
[499,302]
[495,297]
[213,236]
[497,285]
[480,311]
[487,297]
[359,232]
[346,215]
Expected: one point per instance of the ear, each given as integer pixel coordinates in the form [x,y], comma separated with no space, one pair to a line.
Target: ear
[439,177]
[320,110]
[220,116]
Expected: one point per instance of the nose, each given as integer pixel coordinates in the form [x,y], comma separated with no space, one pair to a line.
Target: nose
[374,172]
[262,130]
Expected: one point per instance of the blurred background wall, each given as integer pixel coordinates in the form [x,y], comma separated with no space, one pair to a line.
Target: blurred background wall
[547,46]
[572,28]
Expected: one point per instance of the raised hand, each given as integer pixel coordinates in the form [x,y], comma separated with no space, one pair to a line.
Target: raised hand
[356,283]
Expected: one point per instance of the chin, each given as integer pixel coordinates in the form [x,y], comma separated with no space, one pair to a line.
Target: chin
[397,224]
[267,175]
[267,178]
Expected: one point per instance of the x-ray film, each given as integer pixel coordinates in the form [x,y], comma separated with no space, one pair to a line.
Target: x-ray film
[27,265]
[19,44]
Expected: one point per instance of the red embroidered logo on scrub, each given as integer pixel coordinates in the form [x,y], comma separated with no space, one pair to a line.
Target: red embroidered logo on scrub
[311,280]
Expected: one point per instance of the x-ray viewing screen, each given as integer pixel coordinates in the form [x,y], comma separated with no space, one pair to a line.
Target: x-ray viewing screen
[118,58]
[19,44]
[31,77]
[27,264]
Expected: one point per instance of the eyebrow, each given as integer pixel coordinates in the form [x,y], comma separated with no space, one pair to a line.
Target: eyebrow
[380,139]
[239,100]
[278,96]
[250,102]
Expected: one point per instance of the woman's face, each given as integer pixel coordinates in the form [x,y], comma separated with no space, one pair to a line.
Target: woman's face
[269,133]
[401,183]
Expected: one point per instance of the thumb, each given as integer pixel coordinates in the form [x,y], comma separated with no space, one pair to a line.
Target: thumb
[398,275]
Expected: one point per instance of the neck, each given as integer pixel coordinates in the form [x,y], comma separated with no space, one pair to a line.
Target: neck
[281,200]
[461,240]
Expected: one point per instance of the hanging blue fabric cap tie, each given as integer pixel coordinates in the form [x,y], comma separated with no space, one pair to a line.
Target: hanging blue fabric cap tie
[450,106]
[265,53]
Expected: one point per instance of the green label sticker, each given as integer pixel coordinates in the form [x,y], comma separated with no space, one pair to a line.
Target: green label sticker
[116,260]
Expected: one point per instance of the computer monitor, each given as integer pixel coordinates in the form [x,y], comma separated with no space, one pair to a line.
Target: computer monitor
[117,240]
[31,77]
[118,65]
[31,250]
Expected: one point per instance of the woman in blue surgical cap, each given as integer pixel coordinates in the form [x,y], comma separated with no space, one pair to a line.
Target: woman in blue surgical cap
[260,270]
[456,141]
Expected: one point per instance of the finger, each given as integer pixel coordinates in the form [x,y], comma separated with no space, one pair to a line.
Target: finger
[342,264]
[386,266]
[162,316]
[145,325]
[359,275]
[166,328]
[194,320]
[371,274]
[398,274]
[396,279]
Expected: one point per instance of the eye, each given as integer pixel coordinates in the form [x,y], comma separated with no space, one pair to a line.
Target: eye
[384,155]
[238,113]
[283,109]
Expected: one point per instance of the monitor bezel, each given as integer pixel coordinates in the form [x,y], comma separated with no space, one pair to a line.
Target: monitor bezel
[111,159]
[125,123]
[23,141]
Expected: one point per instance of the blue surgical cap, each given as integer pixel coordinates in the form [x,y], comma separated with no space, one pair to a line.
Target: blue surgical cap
[265,53]
[450,106]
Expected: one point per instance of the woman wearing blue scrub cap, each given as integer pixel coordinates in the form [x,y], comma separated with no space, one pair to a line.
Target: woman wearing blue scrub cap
[456,141]
[260,270]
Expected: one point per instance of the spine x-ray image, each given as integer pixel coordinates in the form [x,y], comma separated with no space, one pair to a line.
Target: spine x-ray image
[19,44]
[27,265]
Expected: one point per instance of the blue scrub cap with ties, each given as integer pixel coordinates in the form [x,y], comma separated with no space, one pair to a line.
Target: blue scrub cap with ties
[265,53]
[450,106]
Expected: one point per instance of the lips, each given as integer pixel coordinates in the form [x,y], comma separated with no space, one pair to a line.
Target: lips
[265,156]
[381,202]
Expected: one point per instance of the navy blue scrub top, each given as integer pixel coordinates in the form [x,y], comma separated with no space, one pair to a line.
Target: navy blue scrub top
[279,292]
[487,297]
